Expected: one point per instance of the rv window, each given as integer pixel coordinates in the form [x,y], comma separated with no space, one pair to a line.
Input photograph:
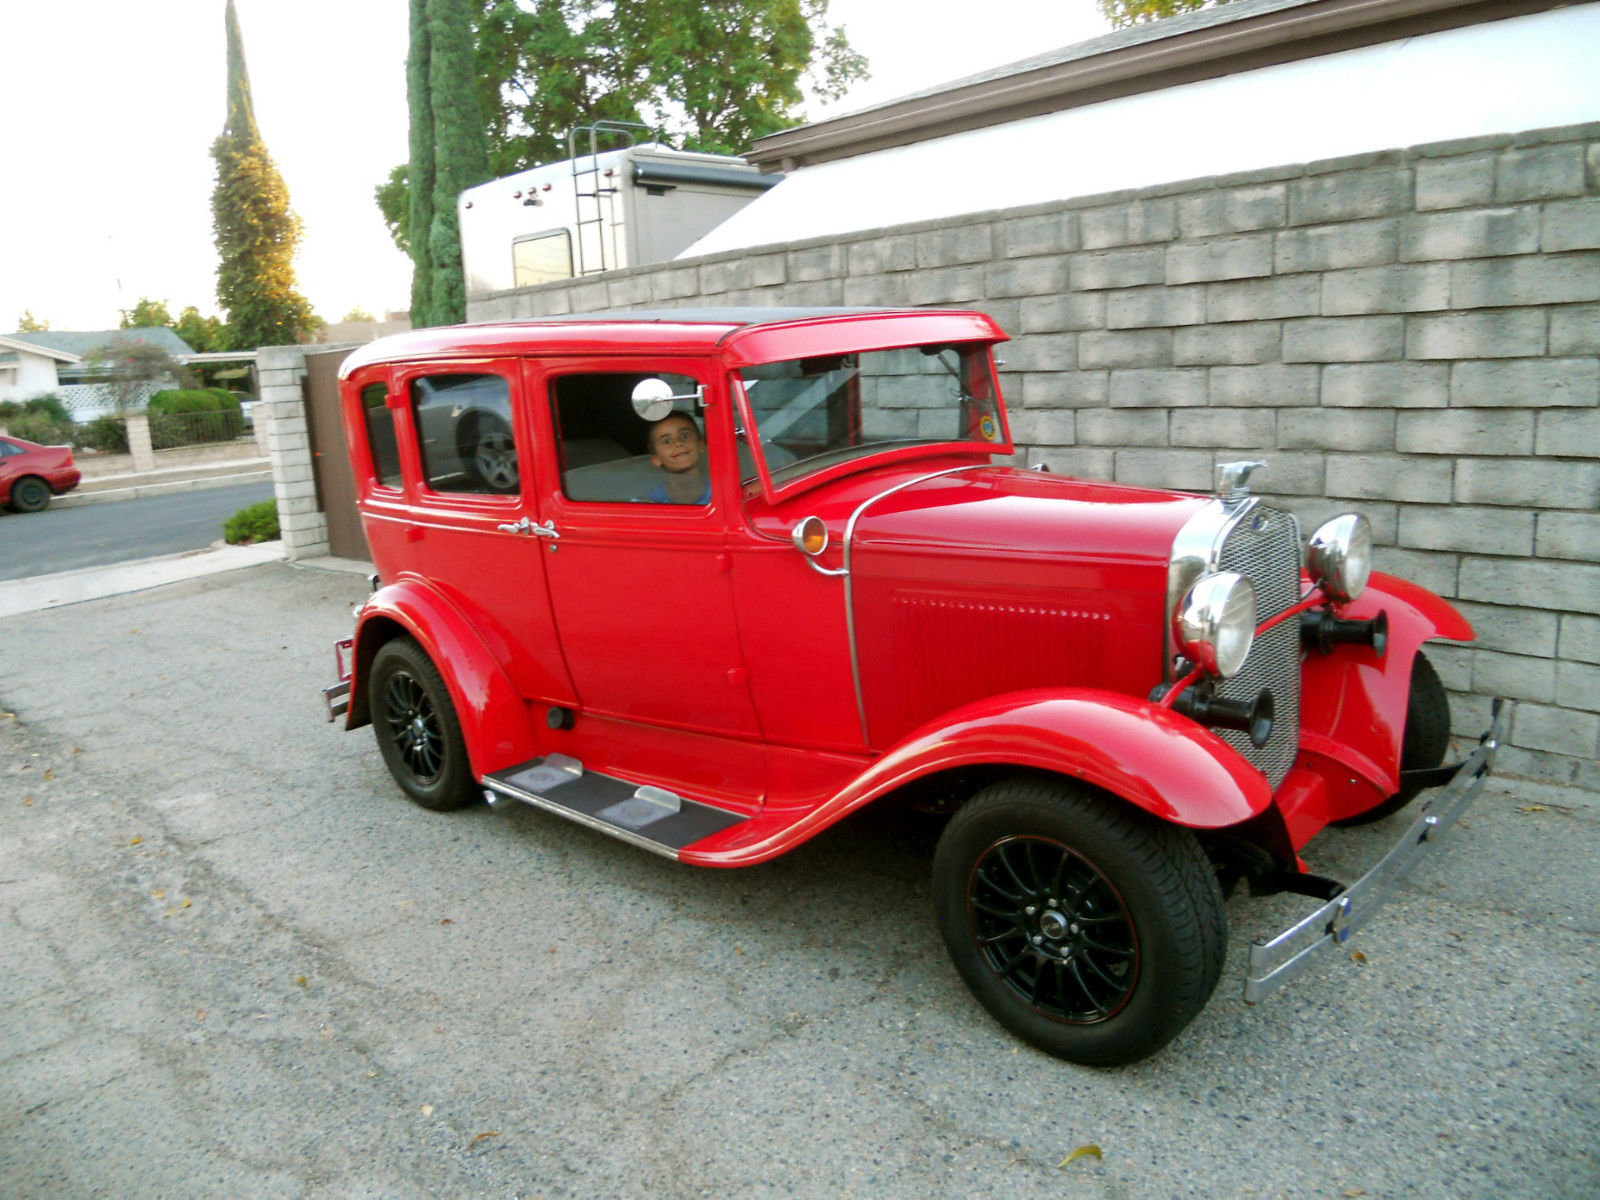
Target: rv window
[543,258]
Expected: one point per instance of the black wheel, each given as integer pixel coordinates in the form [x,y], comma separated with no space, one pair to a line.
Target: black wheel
[417,730]
[30,494]
[1426,742]
[491,453]
[1085,927]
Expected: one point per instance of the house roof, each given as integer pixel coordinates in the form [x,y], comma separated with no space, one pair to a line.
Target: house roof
[1490,78]
[24,343]
[79,346]
[1204,44]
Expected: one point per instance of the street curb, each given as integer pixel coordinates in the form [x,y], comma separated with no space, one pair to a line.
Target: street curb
[19,596]
[139,491]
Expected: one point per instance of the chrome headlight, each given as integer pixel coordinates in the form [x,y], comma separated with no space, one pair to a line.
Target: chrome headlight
[1215,625]
[1339,556]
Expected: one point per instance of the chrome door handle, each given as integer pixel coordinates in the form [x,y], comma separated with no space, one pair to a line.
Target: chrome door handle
[547,530]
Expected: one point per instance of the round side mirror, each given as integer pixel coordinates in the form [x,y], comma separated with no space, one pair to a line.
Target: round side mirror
[652,398]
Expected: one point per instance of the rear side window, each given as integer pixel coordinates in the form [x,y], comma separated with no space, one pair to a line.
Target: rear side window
[7,449]
[380,434]
[463,425]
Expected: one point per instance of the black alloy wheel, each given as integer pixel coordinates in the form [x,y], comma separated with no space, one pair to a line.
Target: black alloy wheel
[1054,929]
[1085,926]
[418,732]
[30,494]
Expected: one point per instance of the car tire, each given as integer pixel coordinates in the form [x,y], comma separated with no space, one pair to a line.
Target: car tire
[1426,741]
[1126,937]
[30,494]
[491,454]
[418,732]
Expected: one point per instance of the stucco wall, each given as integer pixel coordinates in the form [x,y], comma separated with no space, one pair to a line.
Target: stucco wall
[1415,334]
[31,375]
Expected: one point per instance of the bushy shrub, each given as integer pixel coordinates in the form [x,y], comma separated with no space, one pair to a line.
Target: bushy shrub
[109,434]
[42,428]
[188,416]
[46,416]
[258,523]
[191,400]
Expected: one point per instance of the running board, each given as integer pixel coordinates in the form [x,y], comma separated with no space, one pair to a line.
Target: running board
[646,816]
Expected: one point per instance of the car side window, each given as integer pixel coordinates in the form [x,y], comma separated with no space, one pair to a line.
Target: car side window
[611,454]
[380,433]
[7,449]
[463,425]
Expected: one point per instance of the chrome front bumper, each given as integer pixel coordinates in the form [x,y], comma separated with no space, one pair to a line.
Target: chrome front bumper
[1274,963]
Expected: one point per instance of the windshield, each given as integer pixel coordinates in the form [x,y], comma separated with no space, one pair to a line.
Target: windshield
[811,413]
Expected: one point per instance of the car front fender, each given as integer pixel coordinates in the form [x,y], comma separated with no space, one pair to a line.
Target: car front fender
[1353,701]
[492,714]
[1149,756]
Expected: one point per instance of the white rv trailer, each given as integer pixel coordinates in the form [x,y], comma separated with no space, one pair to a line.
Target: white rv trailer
[598,211]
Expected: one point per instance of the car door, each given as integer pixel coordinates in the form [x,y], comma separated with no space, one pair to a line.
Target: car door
[464,512]
[640,584]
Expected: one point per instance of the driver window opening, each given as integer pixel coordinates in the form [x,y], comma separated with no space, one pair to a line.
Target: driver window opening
[619,446]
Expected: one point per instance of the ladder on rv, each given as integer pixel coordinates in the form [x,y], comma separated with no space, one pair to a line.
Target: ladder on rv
[599,189]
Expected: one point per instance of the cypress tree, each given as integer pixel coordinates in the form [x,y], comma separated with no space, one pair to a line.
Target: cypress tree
[256,230]
[420,176]
[461,156]
[449,153]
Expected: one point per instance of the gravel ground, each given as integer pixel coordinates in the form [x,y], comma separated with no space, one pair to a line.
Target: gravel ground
[237,963]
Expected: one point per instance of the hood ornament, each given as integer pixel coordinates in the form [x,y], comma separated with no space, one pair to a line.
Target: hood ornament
[1233,480]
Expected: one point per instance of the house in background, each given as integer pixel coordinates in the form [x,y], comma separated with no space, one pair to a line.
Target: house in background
[28,369]
[64,364]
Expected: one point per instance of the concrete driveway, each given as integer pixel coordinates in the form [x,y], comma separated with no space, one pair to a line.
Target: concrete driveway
[235,962]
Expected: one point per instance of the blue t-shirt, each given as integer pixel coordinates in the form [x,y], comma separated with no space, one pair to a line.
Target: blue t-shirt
[658,495]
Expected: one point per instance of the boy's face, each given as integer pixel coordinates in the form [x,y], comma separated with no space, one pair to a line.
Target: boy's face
[675,444]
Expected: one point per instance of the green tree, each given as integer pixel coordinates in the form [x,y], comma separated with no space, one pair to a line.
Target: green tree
[147,314]
[713,77]
[28,323]
[205,334]
[127,368]
[358,314]
[418,207]
[460,159]
[1122,13]
[256,230]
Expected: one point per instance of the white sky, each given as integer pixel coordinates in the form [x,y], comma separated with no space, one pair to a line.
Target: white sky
[108,109]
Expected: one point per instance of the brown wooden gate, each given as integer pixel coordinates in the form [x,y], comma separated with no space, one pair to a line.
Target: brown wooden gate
[330,457]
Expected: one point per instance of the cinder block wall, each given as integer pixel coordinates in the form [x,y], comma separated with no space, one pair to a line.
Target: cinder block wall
[1414,334]
[280,371]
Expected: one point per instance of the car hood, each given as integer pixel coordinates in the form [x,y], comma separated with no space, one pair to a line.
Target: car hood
[996,579]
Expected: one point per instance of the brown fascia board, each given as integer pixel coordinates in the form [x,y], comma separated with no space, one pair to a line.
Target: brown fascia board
[1226,48]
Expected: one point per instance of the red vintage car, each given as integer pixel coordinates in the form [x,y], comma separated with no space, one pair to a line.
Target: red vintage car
[30,473]
[758,568]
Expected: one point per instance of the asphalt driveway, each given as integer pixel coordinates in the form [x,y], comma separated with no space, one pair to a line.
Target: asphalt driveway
[234,962]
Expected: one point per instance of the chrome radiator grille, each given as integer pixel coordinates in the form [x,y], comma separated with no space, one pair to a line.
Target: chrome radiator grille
[1264,545]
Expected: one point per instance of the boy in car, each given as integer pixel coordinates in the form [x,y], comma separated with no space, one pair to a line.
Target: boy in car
[677,449]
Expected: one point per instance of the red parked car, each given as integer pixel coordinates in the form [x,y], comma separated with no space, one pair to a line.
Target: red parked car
[746,571]
[30,473]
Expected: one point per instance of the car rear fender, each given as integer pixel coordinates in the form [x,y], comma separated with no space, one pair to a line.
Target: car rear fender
[492,714]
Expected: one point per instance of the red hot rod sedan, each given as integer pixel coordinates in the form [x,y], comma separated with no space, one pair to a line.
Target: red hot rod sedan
[708,581]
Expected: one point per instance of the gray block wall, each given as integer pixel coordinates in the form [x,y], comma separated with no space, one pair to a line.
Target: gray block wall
[1414,334]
